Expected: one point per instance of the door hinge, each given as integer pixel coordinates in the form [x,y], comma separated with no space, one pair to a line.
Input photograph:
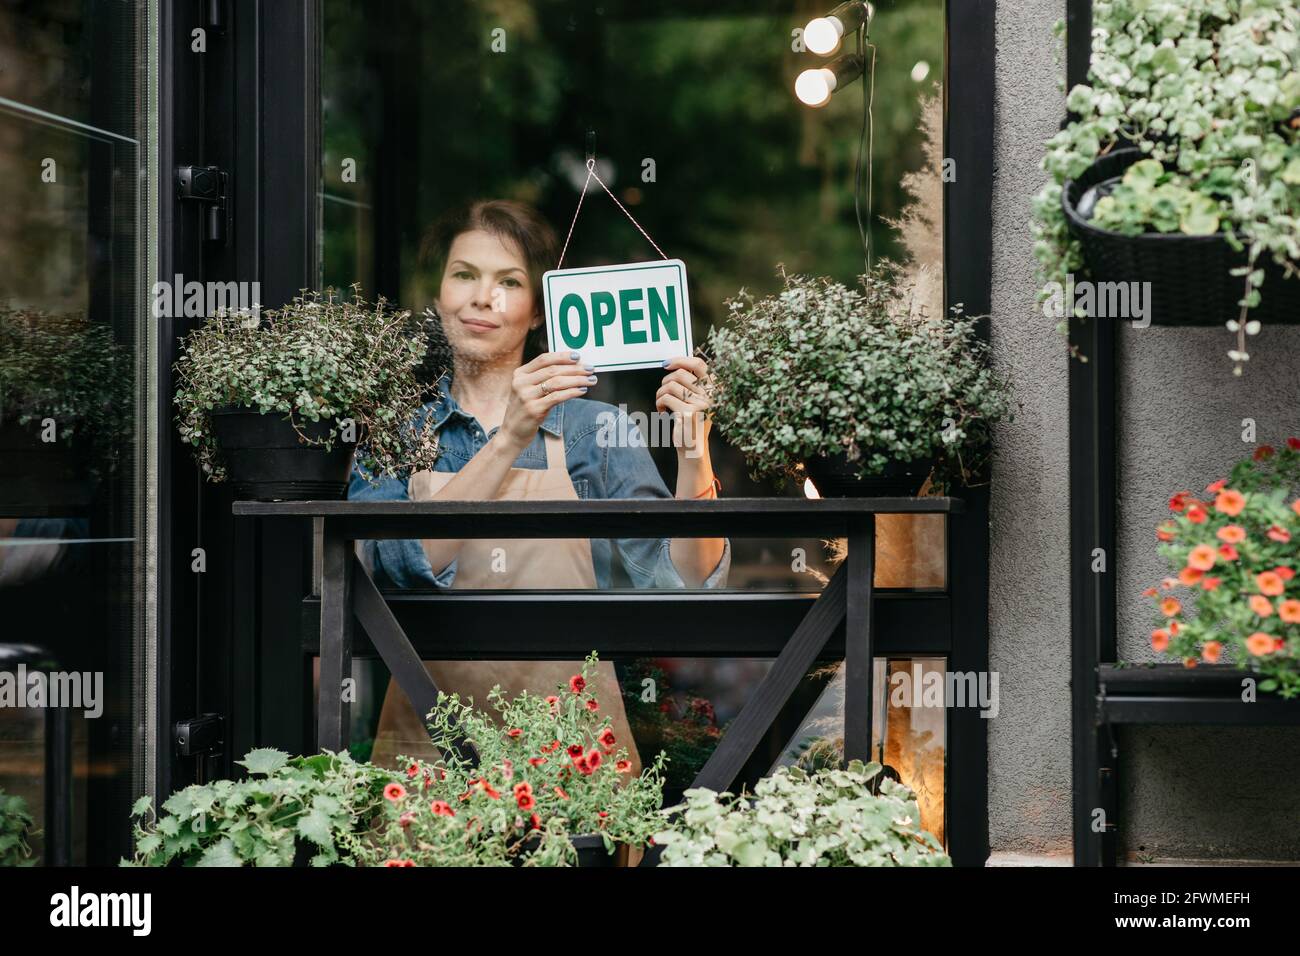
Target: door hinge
[203,738]
[207,185]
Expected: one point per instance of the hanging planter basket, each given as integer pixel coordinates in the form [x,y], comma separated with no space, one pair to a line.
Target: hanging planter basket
[1191,276]
[835,476]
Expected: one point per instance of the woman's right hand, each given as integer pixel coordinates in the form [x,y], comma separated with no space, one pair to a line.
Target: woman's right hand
[538,386]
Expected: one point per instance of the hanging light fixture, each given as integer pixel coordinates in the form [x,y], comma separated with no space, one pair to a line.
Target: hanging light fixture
[823,35]
[814,87]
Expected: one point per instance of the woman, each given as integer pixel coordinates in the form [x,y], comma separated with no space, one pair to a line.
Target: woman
[513,426]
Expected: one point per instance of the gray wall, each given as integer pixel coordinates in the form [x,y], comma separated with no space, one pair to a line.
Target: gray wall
[1188,792]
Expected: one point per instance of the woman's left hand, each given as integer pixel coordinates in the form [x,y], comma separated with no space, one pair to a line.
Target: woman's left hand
[684,392]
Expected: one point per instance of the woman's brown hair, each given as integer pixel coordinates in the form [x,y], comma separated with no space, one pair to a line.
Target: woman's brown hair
[517,223]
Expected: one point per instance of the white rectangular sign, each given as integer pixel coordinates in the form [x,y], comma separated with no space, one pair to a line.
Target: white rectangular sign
[620,317]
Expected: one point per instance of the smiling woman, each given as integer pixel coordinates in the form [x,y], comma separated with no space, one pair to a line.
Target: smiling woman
[516,429]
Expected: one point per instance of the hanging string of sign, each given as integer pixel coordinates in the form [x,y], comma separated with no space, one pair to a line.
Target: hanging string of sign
[619,317]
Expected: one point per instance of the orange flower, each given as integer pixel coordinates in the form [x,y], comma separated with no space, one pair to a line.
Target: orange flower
[1169,584]
[1210,583]
[1159,640]
[1289,611]
[1164,533]
[1259,644]
[1196,514]
[1215,487]
[1261,605]
[1210,652]
[1230,502]
[1231,533]
[1170,606]
[1270,583]
[1149,592]
[1174,628]
[1190,576]
[1279,534]
[1295,506]
[1283,572]
[1201,558]
[1189,662]
[394,792]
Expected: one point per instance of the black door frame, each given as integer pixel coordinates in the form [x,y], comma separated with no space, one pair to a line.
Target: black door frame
[251,105]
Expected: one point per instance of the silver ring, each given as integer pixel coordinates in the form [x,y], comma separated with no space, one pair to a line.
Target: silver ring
[545,389]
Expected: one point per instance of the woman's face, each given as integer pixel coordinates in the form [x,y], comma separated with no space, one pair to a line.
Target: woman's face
[486,299]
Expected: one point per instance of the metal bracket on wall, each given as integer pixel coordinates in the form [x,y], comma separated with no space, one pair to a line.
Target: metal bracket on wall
[207,185]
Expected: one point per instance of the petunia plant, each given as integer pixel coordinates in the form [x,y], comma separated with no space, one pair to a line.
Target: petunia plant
[516,782]
[835,817]
[1235,595]
[1209,90]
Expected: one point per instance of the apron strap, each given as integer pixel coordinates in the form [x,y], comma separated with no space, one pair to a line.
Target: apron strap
[555,460]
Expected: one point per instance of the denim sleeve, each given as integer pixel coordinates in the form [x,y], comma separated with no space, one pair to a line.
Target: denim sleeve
[395,563]
[629,472]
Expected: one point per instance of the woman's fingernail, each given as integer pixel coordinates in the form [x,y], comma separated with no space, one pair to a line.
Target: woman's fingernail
[574,356]
[591,379]
[589,368]
[666,361]
[582,388]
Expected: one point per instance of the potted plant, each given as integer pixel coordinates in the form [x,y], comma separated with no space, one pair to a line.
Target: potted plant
[1180,165]
[854,387]
[65,385]
[1235,555]
[291,811]
[834,817]
[280,404]
[542,782]
[16,826]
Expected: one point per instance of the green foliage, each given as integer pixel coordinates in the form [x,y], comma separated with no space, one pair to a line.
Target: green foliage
[820,368]
[548,767]
[65,367]
[1236,556]
[1209,89]
[830,818]
[16,825]
[326,800]
[320,358]
[682,725]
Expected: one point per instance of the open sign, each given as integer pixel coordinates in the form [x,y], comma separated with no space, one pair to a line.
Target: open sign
[619,317]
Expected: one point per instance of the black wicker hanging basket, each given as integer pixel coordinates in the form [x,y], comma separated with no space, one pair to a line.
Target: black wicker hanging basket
[1191,276]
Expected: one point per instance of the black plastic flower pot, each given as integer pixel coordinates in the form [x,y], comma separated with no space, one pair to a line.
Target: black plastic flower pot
[37,478]
[1191,276]
[267,461]
[834,476]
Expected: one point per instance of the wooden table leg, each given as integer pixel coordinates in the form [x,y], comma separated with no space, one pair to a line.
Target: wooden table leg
[334,710]
[860,565]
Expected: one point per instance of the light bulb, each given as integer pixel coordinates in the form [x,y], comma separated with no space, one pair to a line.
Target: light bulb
[814,87]
[822,35]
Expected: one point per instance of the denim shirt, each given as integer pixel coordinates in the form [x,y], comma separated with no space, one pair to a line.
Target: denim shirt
[598,470]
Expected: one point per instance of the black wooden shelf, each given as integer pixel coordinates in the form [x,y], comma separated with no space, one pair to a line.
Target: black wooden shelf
[1173,694]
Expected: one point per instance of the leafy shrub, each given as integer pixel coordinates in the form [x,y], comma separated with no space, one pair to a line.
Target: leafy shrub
[831,818]
[820,369]
[16,825]
[320,358]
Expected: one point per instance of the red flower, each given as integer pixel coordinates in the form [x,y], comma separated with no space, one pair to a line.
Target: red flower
[441,808]
[1196,514]
[575,750]
[594,758]
[1178,502]
[591,704]
[623,766]
[577,683]
[412,770]
[1279,534]
[514,732]
[428,781]
[406,819]
[554,702]
[537,761]
[534,822]
[607,738]
[1210,583]
[559,792]
[523,787]
[583,767]
[1228,552]
[1217,486]
[1262,452]
[1149,592]
[525,801]
[1165,533]
[1283,572]
[1293,444]
[394,792]
[399,863]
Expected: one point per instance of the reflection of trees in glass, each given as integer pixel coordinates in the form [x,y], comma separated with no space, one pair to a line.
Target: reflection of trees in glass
[744,176]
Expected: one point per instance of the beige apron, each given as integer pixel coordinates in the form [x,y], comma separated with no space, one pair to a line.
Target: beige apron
[538,564]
